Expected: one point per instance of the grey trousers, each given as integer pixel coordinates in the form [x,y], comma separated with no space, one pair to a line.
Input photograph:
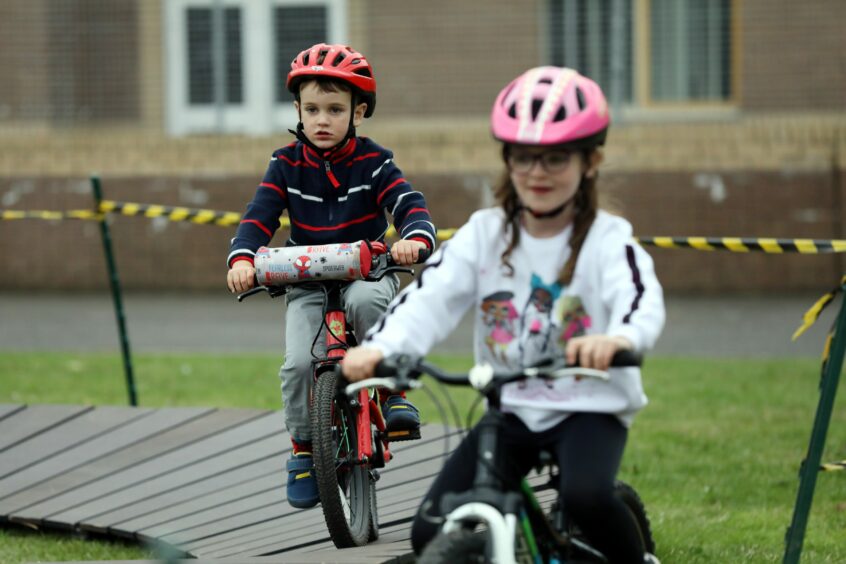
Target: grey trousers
[364,304]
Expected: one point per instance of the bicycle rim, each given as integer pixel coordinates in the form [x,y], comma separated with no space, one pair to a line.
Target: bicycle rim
[344,487]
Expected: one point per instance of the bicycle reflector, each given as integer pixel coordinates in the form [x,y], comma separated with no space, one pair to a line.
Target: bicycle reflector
[289,265]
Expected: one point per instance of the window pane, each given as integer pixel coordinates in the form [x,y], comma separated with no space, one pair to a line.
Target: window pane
[234,73]
[200,68]
[595,38]
[214,56]
[690,49]
[296,29]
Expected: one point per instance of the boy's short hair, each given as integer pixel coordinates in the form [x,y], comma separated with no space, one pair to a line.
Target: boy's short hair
[325,84]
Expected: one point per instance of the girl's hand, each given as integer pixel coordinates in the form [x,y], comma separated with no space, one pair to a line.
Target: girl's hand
[405,251]
[595,351]
[241,277]
[360,362]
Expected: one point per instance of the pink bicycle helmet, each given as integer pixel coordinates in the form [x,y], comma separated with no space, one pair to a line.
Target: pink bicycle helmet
[551,106]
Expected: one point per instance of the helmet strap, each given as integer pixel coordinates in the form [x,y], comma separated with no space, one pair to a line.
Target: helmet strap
[551,213]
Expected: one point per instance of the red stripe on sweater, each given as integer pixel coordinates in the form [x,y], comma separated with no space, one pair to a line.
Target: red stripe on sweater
[295,163]
[259,225]
[335,227]
[415,210]
[391,185]
[274,187]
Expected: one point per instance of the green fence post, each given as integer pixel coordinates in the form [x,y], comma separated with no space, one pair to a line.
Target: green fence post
[114,282]
[811,465]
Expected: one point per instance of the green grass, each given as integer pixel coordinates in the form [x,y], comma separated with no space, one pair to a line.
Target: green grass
[715,455]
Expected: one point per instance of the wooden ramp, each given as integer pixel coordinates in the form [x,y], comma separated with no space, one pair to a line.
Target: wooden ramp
[196,482]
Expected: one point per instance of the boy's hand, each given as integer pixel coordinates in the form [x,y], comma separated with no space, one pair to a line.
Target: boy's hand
[595,351]
[241,277]
[405,251]
[360,363]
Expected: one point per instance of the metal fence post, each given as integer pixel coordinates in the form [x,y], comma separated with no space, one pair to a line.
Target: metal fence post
[114,282]
[811,465]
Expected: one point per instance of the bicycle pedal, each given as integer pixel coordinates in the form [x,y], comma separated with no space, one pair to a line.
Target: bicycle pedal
[404,435]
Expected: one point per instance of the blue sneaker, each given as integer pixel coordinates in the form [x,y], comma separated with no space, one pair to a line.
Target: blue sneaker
[402,420]
[302,486]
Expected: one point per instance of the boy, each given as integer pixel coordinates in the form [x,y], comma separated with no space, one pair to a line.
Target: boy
[336,188]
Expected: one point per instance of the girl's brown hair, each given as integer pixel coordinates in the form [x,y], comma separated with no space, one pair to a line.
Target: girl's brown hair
[586,204]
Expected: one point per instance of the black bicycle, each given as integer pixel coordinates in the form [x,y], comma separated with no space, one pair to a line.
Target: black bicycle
[490,522]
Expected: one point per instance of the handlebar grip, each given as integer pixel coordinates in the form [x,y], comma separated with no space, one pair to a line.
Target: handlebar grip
[423,255]
[627,358]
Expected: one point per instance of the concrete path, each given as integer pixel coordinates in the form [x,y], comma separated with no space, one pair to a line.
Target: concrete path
[736,326]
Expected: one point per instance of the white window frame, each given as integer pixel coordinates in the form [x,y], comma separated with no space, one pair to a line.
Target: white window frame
[259,113]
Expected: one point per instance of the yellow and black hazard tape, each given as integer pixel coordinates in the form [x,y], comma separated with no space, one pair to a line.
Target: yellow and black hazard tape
[172,213]
[228,218]
[49,215]
[833,466]
[748,244]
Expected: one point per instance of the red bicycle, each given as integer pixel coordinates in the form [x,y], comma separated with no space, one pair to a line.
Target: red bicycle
[349,438]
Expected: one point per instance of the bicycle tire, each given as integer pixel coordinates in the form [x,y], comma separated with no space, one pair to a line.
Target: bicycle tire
[461,545]
[635,506]
[373,534]
[637,510]
[343,487]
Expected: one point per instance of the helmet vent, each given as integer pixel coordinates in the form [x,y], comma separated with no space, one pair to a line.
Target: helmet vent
[338,59]
[536,106]
[305,59]
[560,115]
[512,111]
[545,81]
[321,56]
[363,72]
[580,96]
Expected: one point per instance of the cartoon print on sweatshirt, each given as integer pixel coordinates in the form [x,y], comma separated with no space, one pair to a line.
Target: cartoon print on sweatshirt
[498,315]
[539,330]
[574,319]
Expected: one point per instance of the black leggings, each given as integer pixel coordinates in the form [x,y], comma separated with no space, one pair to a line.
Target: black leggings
[588,447]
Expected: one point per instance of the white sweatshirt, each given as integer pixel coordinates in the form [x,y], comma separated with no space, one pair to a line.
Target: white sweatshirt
[524,318]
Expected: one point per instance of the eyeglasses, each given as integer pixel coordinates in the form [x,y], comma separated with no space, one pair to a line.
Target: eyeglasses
[552,162]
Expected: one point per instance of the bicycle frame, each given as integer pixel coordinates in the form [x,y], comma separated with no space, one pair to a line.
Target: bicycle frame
[336,347]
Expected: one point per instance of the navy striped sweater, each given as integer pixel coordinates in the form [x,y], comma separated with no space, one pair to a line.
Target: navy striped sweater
[339,200]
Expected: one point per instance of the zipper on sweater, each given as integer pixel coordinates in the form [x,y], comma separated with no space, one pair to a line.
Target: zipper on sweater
[331,175]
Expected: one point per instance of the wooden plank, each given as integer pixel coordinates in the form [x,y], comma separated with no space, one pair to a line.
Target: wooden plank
[115,439]
[411,458]
[88,426]
[196,509]
[124,467]
[217,454]
[8,409]
[160,508]
[310,526]
[35,419]
[60,490]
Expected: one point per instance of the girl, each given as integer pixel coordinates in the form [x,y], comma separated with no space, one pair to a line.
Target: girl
[547,232]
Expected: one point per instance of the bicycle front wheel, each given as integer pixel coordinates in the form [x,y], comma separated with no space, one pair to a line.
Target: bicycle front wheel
[461,545]
[342,483]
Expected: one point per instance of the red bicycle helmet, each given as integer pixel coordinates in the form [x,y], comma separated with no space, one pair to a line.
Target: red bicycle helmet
[336,61]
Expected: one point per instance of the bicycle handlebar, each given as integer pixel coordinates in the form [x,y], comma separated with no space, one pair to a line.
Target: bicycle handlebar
[381,264]
[401,373]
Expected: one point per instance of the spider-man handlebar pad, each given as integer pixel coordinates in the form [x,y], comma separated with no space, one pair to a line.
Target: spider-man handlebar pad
[289,265]
[338,261]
